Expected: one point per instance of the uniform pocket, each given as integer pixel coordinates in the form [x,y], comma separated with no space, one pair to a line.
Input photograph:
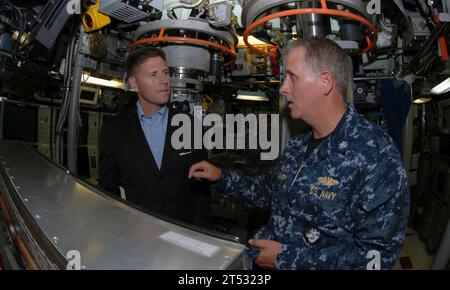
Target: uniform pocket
[320,207]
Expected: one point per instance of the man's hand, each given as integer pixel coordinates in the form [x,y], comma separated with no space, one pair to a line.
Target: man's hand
[205,170]
[269,253]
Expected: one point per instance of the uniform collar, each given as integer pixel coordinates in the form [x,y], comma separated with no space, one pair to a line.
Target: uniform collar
[339,141]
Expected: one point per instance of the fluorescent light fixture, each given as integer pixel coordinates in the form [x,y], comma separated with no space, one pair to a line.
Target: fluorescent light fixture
[251,39]
[86,78]
[442,88]
[422,100]
[252,96]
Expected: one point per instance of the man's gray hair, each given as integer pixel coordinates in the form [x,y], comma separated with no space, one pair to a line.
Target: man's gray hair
[324,54]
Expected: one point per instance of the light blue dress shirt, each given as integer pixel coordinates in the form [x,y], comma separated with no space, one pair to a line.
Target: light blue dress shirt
[154,128]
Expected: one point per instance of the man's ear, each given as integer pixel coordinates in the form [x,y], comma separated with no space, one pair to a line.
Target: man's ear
[327,82]
[133,84]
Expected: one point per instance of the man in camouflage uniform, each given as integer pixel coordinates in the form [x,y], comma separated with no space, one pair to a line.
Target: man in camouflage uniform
[339,196]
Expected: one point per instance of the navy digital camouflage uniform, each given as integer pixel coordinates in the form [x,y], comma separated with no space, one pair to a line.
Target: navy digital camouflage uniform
[348,197]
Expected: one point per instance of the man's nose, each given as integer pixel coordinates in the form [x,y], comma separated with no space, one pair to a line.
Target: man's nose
[284,88]
[164,79]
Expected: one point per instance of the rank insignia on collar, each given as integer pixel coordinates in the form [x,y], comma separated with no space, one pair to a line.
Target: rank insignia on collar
[343,145]
[281,176]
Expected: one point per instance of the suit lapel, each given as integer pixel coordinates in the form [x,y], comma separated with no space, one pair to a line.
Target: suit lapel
[169,152]
[140,143]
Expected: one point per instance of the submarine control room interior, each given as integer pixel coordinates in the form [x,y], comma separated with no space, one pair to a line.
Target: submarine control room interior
[65,76]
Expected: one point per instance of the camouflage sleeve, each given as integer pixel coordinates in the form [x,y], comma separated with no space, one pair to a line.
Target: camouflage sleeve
[251,191]
[380,214]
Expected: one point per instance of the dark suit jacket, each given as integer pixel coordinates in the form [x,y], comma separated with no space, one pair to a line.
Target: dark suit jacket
[126,160]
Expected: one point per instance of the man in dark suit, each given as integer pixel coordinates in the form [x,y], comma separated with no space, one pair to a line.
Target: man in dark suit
[136,155]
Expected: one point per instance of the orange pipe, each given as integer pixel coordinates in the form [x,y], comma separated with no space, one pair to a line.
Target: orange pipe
[31,264]
[444,51]
[16,239]
[230,51]
[442,42]
[368,40]
[161,32]
[4,213]
[310,11]
[324,4]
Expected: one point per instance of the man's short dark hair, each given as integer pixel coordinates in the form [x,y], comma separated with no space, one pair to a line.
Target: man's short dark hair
[140,55]
[324,54]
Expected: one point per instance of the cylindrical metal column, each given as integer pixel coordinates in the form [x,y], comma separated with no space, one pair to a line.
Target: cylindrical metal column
[74,109]
[312,25]
[443,254]
[446,5]
[408,134]
[2,115]
[349,96]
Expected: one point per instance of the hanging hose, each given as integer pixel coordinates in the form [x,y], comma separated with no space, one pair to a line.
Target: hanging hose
[59,140]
